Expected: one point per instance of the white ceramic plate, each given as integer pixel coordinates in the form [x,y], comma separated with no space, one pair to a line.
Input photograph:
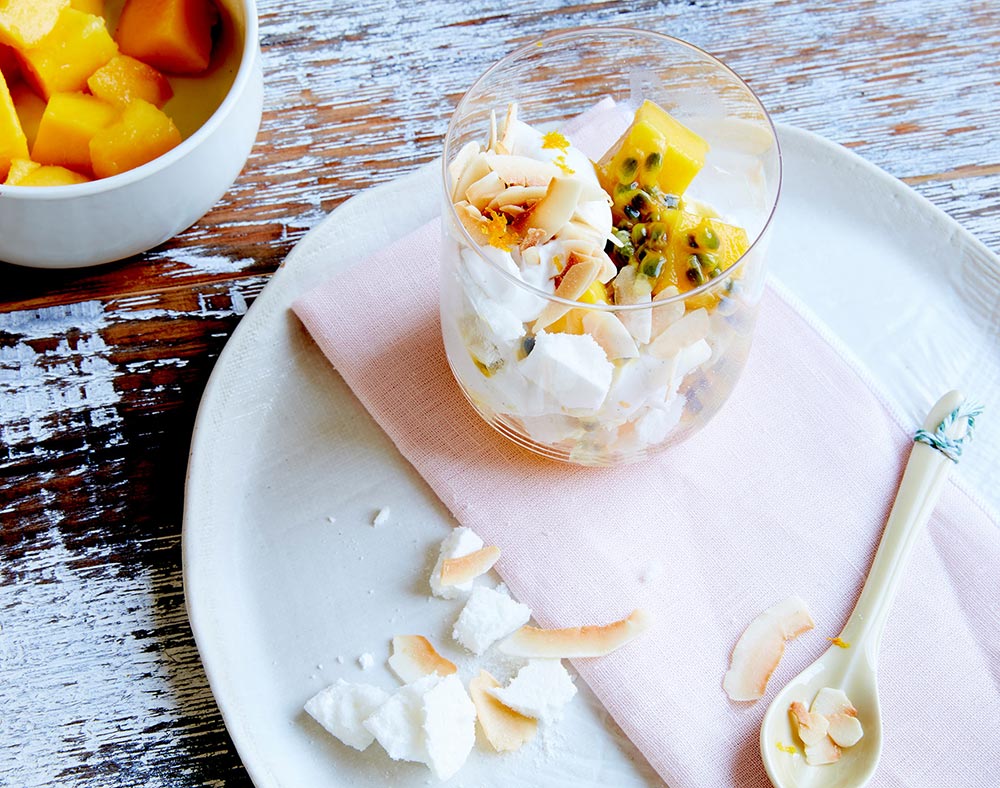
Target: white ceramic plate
[276,593]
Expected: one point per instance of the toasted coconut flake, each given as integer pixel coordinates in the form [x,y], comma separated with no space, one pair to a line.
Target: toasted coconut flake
[577,233]
[573,642]
[810,727]
[482,192]
[471,218]
[556,208]
[845,729]
[507,133]
[491,143]
[460,164]
[668,314]
[476,169]
[505,729]
[608,269]
[596,224]
[532,238]
[822,752]
[523,196]
[413,657]
[631,287]
[682,333]
[830,701]
[610,333]
[455,571]
[520,170]
[531,256]
[577,278]
[761,646]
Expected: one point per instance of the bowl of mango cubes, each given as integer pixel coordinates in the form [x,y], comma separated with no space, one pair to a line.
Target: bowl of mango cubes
[122,122]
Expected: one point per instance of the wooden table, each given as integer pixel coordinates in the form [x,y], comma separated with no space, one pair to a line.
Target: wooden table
[101,370]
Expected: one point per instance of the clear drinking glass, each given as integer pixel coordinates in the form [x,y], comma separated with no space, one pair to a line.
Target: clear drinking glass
[585,408]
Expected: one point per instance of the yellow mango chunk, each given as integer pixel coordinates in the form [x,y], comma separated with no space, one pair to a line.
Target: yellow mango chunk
[28,173]
[61,62]
[656,150]
[23,23]
[124,78]
[700,248]
[13,143]
[597,293]
[29,109]
[141,134]
[173,35]
[570,323]
[68,124]
[19,168]
[95,7]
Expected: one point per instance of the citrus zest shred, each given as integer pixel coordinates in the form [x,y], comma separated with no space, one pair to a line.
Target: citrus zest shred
[786,748]
[839,643]
[553,140]
[496,231]
[560,162]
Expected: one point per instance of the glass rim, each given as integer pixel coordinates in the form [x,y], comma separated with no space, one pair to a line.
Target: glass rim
[575,32]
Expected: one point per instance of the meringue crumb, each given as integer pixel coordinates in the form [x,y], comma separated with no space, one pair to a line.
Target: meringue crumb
[382,517]
[366,661]
[331,519]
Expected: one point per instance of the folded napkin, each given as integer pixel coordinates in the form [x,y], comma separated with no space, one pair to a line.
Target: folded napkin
[785,492]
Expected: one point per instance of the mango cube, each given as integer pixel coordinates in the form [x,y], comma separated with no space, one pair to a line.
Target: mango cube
[700,248]
[23,23]
[28,173]
[95,7]
[141,134]
[13,143]
[656,150]
[174,36]
[68,125]
[77,46]
[30,109]
[124,78]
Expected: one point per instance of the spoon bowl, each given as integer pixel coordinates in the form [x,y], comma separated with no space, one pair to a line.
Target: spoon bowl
[850,664]
[851,669]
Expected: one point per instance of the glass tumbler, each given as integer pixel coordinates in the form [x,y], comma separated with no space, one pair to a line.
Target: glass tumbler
[614,378]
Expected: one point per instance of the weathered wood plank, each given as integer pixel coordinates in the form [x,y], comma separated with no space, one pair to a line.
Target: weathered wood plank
[355,99]
[101,370]
[96,406]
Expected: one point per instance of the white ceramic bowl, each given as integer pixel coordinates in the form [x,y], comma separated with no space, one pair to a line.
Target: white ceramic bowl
[113,218]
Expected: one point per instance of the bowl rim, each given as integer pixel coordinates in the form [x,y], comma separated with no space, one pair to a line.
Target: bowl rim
[573,32]
[101,185]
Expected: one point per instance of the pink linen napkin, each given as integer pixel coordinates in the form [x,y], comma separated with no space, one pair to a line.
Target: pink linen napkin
[785,492]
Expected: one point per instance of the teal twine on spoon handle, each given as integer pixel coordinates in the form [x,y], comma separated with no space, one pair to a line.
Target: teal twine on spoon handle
[954,431]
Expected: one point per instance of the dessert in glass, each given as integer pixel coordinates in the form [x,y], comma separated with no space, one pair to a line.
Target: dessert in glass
[607,198]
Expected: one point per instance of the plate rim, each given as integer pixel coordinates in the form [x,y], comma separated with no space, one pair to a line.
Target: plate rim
[268,306]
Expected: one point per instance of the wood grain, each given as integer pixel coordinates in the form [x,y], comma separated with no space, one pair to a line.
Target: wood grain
[101,370]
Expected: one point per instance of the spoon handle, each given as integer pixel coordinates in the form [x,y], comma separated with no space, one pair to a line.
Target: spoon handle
[931,458]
